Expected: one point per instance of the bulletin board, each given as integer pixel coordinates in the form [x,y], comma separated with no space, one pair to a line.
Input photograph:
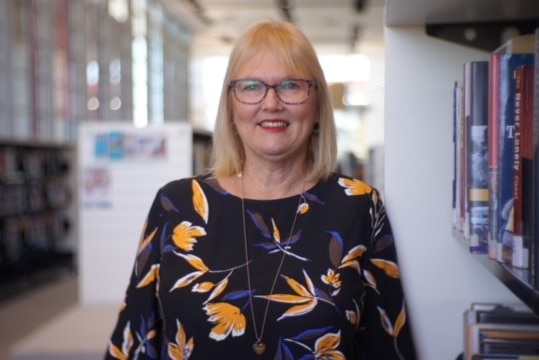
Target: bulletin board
[120,168]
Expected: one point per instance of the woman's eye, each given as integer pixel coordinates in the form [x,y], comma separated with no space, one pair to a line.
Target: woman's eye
[288,85]
[251,86]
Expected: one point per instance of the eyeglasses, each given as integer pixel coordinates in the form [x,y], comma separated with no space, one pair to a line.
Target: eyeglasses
[289,91]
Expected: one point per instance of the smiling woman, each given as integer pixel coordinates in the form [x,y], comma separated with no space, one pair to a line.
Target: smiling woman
[272,254]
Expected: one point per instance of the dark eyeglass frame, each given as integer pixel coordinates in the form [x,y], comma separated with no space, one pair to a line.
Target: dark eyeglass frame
[310,84]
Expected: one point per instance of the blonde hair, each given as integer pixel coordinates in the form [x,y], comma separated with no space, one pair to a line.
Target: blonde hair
[297,52]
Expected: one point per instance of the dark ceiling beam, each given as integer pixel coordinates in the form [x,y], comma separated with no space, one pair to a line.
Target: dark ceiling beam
[200,12]
[286,10]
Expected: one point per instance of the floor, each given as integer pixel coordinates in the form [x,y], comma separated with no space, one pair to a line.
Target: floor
[25,312]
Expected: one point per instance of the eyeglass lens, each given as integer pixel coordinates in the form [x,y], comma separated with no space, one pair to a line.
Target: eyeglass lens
[252,91]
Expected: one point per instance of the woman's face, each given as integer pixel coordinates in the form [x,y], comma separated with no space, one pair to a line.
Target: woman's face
[273,130]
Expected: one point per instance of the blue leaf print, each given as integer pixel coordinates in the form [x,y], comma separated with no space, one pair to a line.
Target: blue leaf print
[284,351]
[235,295]
[260,224]
[312,197]
[167,204]
[312,333]
[335,248]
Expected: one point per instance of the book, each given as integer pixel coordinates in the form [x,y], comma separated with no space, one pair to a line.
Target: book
[503,338]
[522,44]
[504,357]
[523,162]
[505,121]
[458,162]
[500,315]
[534,266]
[476,147]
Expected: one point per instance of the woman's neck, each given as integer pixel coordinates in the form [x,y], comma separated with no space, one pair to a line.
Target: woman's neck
[264,183]
[267,183]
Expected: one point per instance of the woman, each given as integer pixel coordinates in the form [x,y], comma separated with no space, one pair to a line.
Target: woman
[272,255]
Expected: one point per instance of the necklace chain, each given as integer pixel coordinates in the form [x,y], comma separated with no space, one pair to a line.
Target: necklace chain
[259,347]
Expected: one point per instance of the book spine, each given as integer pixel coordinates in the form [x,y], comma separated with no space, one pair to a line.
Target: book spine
[523,181]
[509,62]
[476,77]
[493,154]
[534,193]
[458,211]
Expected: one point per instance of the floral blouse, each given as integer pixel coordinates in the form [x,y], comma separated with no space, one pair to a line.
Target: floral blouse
[337,294]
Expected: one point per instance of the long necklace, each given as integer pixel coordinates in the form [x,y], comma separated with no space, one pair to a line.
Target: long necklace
[259,347]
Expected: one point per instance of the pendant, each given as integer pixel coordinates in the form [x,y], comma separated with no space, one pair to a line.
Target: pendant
[259,347]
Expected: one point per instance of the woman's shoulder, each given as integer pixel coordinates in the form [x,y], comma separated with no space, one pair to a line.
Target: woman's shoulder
[185,184]
[180,184]
[349,183]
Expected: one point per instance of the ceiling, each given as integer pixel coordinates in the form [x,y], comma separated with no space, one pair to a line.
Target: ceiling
[418,12]
[334,26]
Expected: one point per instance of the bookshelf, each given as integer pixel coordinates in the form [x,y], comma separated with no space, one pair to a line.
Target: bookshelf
[36,213]
[518,281]
[440,275]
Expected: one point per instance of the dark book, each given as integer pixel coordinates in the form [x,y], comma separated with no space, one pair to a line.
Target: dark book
[476,114]
[497,315]
[523,166]
[503,357]
[509,346]
[508,339]
[506,145]
[534,193]
[518,45]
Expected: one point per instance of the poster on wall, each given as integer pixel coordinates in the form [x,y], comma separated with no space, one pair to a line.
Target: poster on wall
[111,146]
[96,189]
[120,169]
[130,145]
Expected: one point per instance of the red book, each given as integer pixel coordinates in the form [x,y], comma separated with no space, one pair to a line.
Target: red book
[523,179]
[518,45]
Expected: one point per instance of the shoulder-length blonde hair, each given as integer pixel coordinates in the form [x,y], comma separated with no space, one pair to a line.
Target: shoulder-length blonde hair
[297,52]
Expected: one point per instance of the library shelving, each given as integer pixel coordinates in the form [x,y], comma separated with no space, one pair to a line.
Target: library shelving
[36,213]
[485,26]
[441,277]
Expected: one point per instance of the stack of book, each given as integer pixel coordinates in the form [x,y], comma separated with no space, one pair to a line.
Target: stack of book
[494,331]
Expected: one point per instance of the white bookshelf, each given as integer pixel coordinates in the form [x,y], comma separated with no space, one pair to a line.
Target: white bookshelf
[441,278]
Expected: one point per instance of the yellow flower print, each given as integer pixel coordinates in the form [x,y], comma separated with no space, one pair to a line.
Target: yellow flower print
[217,289]
[200,203]
[181,349]
[389,327]
[326,347]
[354,187]
[187,279]
[203,287]
[351,259]
[303,208]
[370,280]
[185,234]
[123,352]
[354,316]
[145,241]
[390,268]
[305,299]
[333,279]
[151,276]
[229,320]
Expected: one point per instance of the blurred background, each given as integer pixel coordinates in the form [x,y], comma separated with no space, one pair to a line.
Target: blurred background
[73,70]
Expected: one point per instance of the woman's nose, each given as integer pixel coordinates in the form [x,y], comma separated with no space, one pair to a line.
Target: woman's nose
[272,98]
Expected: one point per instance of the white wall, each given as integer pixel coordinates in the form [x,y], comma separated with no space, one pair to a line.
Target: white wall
[441,278]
